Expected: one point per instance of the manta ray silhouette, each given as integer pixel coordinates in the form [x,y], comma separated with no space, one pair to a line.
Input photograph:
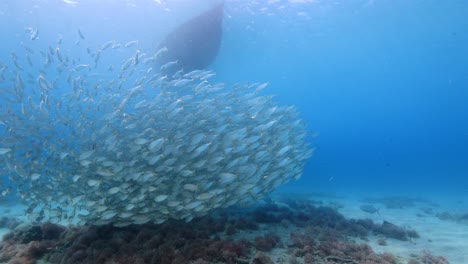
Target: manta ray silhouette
[195,43]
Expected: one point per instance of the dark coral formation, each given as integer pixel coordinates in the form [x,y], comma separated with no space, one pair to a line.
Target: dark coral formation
[455,217]
[426,257]
[333,250]
[172,242]
[261,258]
[321,235]
[303,213]
[266,242]
[175,243]
[27,243]
[390,230]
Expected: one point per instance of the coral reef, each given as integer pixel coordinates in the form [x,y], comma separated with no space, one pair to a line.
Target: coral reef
[172,242]
[301,231]
[27,243]
[260,258]
[426,257]
[266,242]
[390,230]
[455,217]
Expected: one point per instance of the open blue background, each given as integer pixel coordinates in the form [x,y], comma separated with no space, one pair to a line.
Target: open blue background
[384,84]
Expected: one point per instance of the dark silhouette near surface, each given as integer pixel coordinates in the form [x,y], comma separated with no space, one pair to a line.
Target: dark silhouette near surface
[195,43]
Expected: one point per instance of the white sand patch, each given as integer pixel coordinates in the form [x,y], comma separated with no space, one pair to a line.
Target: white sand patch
[441,237]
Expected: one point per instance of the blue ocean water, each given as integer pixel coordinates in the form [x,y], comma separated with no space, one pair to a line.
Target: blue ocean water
[382,85]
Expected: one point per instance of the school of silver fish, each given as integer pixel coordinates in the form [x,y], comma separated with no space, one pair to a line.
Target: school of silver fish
[88,141]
